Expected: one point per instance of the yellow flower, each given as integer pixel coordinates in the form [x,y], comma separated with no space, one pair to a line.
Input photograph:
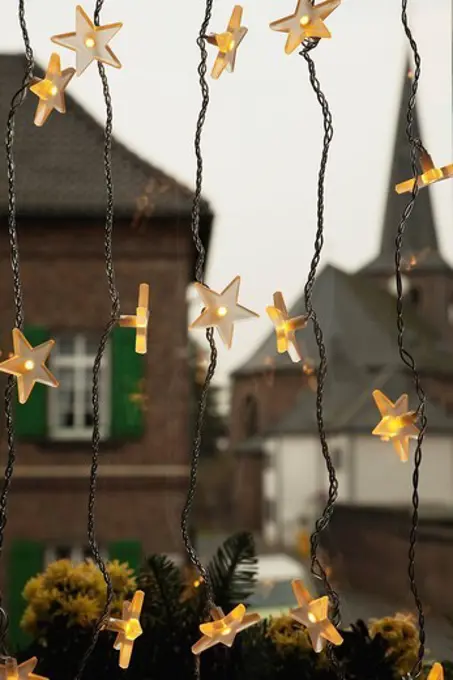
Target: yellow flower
[288,635]
[29,621]
[72,593]
[81,610]
[33,587]
[401,634]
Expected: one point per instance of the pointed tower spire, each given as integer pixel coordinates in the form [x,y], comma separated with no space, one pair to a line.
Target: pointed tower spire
[420,240]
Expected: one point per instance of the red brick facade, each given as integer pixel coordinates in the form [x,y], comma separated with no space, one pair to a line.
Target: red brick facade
[65,288]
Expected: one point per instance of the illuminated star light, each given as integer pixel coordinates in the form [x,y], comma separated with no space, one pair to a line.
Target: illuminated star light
[139,320]
[285,328]
[11,670]
[221,310]
[397,424]
[430,175]
[223,629]
[128,628]
[306,22]
[436,672]
[313,614]
[28,365]
[50,89]
[228,43]
[90,42]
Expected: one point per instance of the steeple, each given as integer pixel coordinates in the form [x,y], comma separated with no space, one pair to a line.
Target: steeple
[420,239]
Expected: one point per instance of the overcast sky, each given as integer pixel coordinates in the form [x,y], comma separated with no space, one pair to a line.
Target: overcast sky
[263,135]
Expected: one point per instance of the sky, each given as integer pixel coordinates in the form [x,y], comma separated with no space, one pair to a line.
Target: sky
[262,140]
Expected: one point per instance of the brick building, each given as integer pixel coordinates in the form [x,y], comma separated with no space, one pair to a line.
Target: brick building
[281,482]
[144,455]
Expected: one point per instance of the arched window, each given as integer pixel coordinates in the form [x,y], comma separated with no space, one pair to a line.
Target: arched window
[250,415]
[450,310]
[414,297]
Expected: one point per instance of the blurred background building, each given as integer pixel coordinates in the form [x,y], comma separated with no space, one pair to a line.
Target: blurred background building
[61,205]
[281,479]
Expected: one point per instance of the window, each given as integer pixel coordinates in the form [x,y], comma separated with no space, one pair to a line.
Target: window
[75,553]
[70,408]
[250,416]
[450,311]
[414,297]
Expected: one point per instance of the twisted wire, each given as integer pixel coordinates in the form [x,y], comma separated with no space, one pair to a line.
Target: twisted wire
[407,358]
[199,275]
[114,317]
[16,103]
[316,567]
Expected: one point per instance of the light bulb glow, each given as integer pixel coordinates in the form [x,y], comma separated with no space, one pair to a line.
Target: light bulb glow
[53,90]
[222,311]
[90,42]
[226,631]
[304,20]
[311,617]
[29,365]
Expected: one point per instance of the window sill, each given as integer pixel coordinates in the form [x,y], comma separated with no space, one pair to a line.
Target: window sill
[77,445]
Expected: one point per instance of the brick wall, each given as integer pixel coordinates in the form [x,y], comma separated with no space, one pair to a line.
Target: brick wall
[65,288]
[367,550]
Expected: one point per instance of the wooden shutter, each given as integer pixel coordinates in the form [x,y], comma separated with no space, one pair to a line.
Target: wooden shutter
[26,559]
[128,370]
[31,418]
[127,551]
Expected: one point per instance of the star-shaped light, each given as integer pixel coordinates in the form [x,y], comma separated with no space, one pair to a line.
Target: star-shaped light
[430,175]
[397,424]
[436,672]
[313,614]
[50,89]
[128,628]
[90,42]
[139,320]
[11,670]
[285,328]
[28,365]
[221,310]
[228,43]
[223,629]
[306,22]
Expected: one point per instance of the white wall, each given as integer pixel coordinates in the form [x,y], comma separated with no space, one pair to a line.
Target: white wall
[379,477]
[370,474]
[296,478]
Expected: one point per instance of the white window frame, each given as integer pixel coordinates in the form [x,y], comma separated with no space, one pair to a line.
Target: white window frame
[75,555]
[80,359]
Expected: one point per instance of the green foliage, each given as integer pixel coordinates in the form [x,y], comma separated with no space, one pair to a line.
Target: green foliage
[233,571]
[275,649]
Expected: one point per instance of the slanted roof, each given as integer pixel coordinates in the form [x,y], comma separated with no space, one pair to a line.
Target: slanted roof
[349,405]
[420,237]
[60,166]
[358,319]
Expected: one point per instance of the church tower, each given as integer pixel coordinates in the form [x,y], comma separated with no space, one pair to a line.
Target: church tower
[428,279]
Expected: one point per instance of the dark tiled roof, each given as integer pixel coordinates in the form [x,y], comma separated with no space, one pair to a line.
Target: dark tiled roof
[60,166]
[420,236]
[349,405]
[358,320]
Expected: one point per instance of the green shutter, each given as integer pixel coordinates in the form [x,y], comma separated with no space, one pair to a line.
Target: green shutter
[128,370]
[127,551]
[26,559]
[31,418]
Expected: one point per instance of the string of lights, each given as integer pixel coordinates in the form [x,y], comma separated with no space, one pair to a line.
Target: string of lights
[199,276]
[113,321]
[416,148]
[321,524]
[16,103]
